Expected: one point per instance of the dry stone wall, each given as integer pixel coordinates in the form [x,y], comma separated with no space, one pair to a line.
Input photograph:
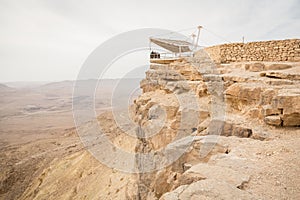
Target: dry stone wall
[275,50]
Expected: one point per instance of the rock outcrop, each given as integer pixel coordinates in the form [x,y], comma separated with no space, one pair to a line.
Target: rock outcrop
[195,96]
[204,130]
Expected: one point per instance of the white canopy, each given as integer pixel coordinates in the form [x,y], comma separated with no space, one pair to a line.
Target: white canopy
[175,46]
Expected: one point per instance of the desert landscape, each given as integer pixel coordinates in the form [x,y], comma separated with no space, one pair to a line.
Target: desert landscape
[149,100]
[242,144]
[37,127]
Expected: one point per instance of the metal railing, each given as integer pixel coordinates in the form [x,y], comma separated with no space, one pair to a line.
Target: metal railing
[169,55]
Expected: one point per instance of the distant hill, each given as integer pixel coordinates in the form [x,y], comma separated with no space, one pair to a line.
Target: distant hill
[5,88]
[102,85]
[25,84]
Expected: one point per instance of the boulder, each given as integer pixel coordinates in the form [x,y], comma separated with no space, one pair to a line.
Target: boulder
[219,127]
[239,95]
[274,120]
[288,100]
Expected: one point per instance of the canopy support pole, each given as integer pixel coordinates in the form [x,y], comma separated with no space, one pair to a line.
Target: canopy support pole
[198,35]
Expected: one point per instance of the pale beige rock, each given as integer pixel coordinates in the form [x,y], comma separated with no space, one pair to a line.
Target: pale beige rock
[225,174]
[213,165]
[277,67]
[187,179]
[268,110]
[218,127]
[255,67]
[207,189]
[241,94]
[288,100]
[281,75]
[274,120]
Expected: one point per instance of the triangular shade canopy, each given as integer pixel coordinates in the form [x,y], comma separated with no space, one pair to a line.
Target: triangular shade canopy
[175,46]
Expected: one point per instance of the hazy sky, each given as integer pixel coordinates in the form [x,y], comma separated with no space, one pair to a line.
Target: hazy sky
[48,40]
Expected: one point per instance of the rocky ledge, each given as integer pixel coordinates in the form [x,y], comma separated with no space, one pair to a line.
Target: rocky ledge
[223,106]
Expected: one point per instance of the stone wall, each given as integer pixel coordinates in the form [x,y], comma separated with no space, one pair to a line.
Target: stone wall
[275,50]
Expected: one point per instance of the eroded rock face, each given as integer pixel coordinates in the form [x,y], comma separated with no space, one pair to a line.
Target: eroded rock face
[288,102]
[216,120]
[240,95]
[251,98]
[217,127]
[207,189]
[274,120]
[212,131]
[271,99]
[207,171]
[194,183]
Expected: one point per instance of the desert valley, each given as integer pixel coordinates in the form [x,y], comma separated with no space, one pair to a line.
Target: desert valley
[231,114]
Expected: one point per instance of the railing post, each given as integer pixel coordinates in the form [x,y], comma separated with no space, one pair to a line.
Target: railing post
[179,51]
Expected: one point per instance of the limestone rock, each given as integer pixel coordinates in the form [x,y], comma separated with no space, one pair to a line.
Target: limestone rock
[255,67]
[189,134]
[281,75]
[277,67]
[178,87]
[288,100]
[218,127]
[268,110]
[188,178]
[208,171]
[174,194]
[207,189]
[274,120]
[240,94]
